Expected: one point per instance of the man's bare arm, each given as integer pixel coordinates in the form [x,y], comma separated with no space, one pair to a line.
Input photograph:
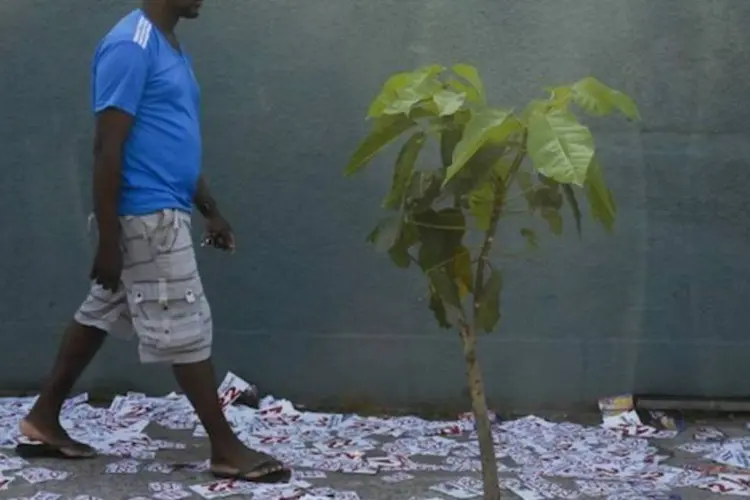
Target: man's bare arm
[204,202]
[112,129]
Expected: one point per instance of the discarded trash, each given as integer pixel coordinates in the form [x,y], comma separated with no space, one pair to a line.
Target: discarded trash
[709,434]
[397,477]
[629,425]
[615,405]
[671,420]
[732,454]
[726,486]
[615,460]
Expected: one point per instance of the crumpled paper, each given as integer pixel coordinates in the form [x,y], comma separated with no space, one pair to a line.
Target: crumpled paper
[616,460]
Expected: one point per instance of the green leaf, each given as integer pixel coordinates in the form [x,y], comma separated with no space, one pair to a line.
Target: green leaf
[400,257]
[626,105]
[542,106]
[438,309]
[600,198]
[501,169]
[408,98]
[403,91]
[403,170]
[471,75]
[592,96]
[560,97]
[445,287]
[547,181]
[374,235]
[388,93]
[547,197]
[461,270]
[598,99]
[423,190]
[500,135]
[396,236]
[482,125]
[385,233]
[488,313]
[472,96]
[560,147]
[481,204]
[386,130]
[570,196]
[425,109]
[403,104]
[449,138]
[554,219]
[530,236]
[407,237]
[441,234]
[448,102]
[481,168]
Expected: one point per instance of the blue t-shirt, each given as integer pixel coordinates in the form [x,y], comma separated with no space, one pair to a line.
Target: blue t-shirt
[138,71]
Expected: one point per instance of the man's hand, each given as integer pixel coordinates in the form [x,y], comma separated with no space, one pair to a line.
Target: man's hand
[219,233]
[107,266]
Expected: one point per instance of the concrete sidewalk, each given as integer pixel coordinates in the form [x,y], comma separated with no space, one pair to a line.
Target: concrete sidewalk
[89,477]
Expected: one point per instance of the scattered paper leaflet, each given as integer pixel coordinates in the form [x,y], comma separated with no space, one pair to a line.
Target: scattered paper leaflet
[617,460]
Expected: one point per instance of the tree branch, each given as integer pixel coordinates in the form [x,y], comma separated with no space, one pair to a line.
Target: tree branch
[437,226]
[489,235]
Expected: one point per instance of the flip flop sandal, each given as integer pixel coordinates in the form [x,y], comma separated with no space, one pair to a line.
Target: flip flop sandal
[275,473]
[45,450]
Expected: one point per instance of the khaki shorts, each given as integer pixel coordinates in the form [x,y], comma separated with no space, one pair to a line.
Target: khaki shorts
[161,297]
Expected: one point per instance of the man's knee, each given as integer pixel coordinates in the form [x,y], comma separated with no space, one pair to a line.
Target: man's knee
[90,328]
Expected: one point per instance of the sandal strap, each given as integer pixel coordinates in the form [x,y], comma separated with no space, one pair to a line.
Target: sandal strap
[268,467]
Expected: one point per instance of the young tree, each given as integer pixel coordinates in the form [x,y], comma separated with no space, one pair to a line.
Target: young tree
[482,151]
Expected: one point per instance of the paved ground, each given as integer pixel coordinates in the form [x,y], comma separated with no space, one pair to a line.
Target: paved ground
[89,477]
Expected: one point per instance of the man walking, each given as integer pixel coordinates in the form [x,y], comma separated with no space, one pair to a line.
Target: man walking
[147,176]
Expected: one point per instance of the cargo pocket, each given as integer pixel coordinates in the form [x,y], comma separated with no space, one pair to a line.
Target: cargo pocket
[169,316]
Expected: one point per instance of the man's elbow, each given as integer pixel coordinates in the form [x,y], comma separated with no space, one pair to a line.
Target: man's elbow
[107,152]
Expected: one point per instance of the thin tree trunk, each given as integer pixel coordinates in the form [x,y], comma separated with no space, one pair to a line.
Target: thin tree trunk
[490,479]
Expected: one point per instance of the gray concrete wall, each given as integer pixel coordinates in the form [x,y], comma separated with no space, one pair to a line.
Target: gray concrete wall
[305,308]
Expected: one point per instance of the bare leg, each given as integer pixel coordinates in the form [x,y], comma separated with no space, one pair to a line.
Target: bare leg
[198,382]
[79,345]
